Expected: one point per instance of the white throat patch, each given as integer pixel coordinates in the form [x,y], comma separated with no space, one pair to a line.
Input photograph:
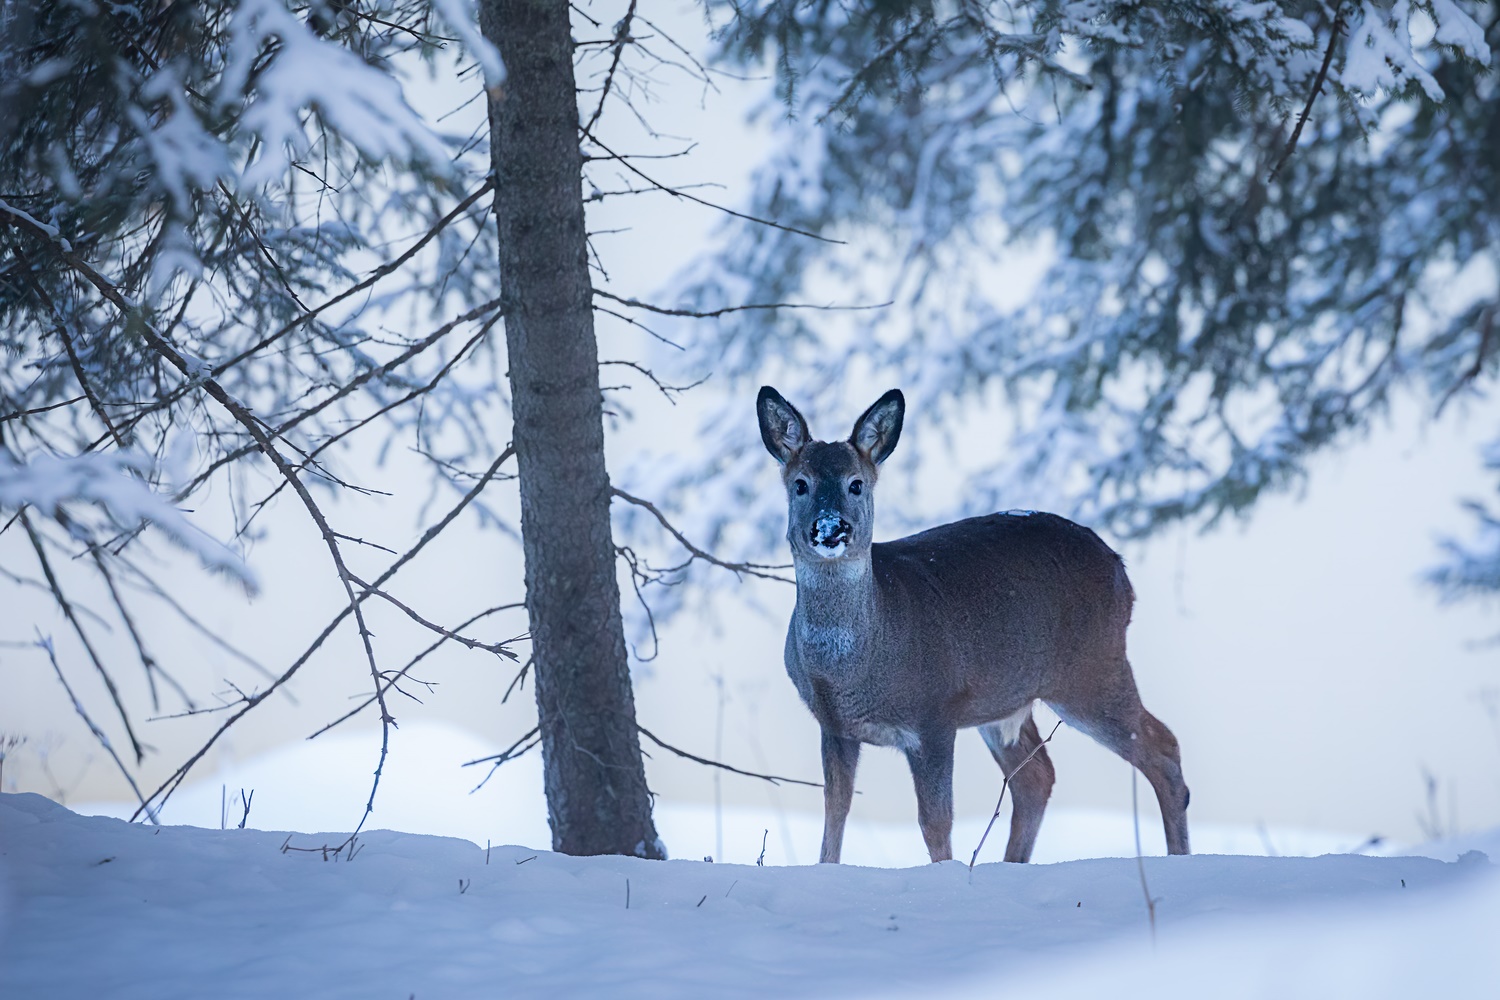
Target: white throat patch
[834,641]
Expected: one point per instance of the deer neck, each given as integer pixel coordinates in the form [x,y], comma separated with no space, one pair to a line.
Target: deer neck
[835,609]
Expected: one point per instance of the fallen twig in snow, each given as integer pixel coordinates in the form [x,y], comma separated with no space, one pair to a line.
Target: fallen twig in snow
[352,846]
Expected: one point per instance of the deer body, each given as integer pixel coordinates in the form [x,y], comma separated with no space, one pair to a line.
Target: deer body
[966,625]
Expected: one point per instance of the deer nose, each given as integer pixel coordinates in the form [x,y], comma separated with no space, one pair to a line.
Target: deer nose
[830,530]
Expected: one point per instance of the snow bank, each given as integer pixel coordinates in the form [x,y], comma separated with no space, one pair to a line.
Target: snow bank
[94,907]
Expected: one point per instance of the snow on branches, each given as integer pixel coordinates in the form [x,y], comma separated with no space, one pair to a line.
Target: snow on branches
[233,253]
[112,484]
[1110,253]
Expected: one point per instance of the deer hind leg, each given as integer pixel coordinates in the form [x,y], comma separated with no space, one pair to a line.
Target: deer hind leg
[1029,781]
[1166,778]
[1120,722]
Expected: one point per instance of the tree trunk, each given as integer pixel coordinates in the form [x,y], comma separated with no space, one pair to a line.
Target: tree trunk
[597,800]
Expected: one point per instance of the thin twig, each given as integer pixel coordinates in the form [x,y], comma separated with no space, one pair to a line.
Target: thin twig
[1481,353]
[395,678]
[374,276]
[1004,784]
[753,569]
[66,607]
[1317,89]
[148,662]
[518,681]
[1140,863]
[479,311]
[45,643]
[178,776]
[622,36]
[669,392]
[17,414]
[498,648]
[711,313]
[772,778]
[679,193]
[516,749]
[61,328]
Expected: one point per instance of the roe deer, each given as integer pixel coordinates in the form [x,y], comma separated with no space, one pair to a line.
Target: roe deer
[904,643]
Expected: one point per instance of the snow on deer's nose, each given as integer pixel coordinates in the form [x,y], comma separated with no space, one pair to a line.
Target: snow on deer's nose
[830,534]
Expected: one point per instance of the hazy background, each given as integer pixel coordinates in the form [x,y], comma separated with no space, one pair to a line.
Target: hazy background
[1312,680]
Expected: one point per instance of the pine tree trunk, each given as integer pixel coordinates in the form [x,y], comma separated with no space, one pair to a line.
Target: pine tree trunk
[597,800]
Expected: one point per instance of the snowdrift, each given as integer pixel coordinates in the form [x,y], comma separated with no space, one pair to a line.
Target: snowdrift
[95,907]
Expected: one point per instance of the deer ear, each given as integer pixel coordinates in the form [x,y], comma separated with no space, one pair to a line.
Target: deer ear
[781,426]
[878,429]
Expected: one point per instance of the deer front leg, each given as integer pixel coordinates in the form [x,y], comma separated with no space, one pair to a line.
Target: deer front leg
[840,759]
[932,774]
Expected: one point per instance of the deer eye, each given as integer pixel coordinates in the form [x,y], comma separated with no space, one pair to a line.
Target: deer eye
[801,487]
[857,487]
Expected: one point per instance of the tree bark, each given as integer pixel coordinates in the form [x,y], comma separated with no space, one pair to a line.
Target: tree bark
[597,799]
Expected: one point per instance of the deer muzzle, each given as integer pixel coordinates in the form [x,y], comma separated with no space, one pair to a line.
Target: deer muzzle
[830,534]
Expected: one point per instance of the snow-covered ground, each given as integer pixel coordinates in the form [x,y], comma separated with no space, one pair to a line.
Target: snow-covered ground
[95,907]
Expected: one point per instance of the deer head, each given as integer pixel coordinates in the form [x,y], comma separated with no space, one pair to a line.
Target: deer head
[830,484]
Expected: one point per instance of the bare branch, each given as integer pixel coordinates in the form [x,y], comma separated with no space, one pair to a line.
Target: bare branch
[1481,355]
[148,662]
[1317,89]
[46,644]
[670,392]
[397,676]
[67,609]
[192,370]
[618,43]
[60,326]
[178,776]
[498,648]
[679,193]
[374,276]
[1004,784]
[509,753]
[638,324]
[487,310]
[752,569]
[711,313]
[774,779]
[18,414]
[146,581]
